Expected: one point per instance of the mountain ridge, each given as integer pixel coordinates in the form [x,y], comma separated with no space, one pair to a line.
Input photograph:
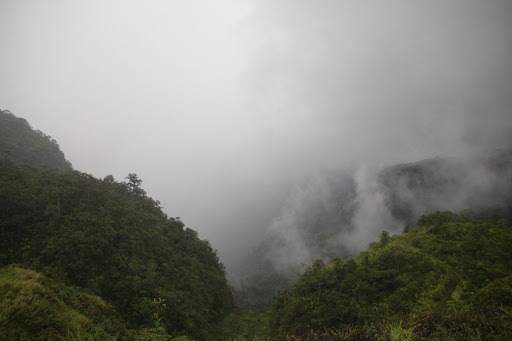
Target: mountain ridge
[21,144]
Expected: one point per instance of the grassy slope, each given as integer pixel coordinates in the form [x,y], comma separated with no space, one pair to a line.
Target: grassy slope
[33,307]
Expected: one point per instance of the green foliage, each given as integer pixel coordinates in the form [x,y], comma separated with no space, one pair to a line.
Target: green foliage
[446,265]
[158,332]
[245,325]
[20,144]
[134,185]
[112,240]
[33,307]
[399,333]
[181,338]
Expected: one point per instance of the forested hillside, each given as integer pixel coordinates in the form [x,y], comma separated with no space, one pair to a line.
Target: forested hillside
[102,236]
[21,144]
[110,238]
[448,277]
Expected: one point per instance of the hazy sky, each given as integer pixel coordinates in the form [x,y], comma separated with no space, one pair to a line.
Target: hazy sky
[220,106]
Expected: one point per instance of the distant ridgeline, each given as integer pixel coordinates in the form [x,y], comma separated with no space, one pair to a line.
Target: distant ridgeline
[20,144]
[153,276]
[482,183]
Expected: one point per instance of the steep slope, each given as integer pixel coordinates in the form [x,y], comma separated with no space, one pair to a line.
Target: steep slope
[447,265]
[20,144]
[34,307]
[104,236]
[111,239]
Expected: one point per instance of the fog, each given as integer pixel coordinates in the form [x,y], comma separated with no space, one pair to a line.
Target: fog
[222,108]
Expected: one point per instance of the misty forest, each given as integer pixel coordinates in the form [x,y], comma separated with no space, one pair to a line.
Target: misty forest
[256,170]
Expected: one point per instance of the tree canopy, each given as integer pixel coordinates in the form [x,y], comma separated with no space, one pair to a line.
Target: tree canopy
[112,240]
[21,144]
[446,264]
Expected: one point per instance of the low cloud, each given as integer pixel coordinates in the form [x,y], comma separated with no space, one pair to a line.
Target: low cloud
[222,109]
[339,215]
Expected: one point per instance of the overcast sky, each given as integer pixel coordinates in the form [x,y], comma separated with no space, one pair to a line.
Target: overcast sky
[221,106]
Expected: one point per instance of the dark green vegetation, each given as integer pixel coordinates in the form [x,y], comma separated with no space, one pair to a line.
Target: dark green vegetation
[111,240]
[23,145]
[448,277]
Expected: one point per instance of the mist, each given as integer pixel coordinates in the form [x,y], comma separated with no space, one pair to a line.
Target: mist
[231,113]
